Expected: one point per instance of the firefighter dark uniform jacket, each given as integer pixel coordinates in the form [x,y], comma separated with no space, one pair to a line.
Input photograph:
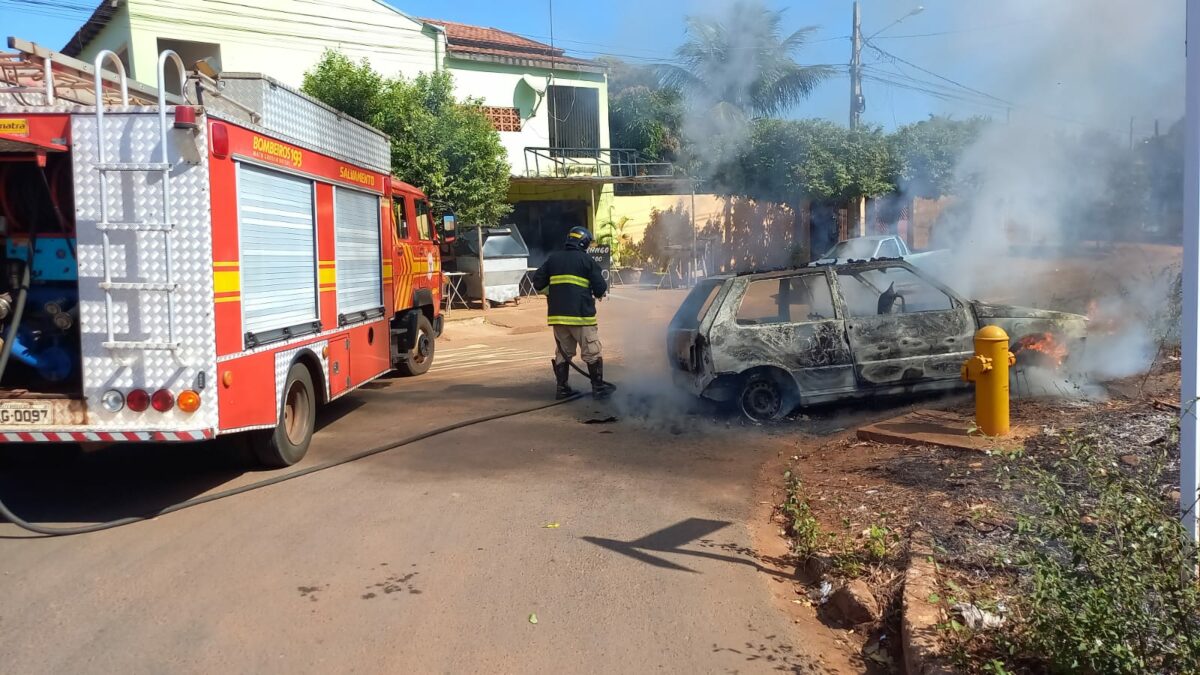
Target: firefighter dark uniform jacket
[574,282]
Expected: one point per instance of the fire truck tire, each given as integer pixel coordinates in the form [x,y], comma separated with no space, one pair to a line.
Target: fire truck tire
[418,360]
[288,442]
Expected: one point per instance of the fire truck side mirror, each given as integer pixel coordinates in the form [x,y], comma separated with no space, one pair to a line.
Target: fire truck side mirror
[447,228]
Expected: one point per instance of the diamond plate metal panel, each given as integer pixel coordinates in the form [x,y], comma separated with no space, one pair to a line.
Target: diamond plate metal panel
[283,363]
[301,120]
[140,256]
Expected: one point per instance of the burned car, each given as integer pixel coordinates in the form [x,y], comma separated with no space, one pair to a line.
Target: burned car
[772,341]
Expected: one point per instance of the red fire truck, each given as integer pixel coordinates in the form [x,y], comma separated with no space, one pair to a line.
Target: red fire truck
[180,266]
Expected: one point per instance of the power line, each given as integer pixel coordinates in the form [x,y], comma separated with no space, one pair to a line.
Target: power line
[645,55]
[893,57]
[975,29]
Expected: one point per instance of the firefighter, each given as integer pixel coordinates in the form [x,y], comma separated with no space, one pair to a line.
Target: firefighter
[574,283]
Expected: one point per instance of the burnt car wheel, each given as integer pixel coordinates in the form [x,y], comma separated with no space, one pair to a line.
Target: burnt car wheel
[763,398]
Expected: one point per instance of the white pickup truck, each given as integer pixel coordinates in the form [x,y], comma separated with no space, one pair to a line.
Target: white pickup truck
[876,246]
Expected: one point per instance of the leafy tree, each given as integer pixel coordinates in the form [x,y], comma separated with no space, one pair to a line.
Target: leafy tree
[646,120]
[793,160]
[926,154]
[741,65]
[642,114]
[447,148]
[1164,158]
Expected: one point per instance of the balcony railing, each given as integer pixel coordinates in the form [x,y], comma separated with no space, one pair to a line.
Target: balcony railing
[616,164]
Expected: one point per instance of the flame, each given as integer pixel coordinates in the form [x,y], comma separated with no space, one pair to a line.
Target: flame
[1041,349]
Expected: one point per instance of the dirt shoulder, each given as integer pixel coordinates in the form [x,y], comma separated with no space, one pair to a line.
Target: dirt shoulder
[845,509]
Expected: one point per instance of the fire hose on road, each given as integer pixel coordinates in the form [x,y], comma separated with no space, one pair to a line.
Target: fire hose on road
[97,527]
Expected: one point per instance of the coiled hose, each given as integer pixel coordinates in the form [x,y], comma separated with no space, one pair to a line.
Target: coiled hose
[97,527]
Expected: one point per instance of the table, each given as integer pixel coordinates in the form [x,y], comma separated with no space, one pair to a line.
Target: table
[454,289]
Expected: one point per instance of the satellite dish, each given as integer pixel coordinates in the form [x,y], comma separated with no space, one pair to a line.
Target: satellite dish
[536,83]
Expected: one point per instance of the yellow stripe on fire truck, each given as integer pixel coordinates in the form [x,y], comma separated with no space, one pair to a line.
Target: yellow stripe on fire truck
[327,275]
[227,281]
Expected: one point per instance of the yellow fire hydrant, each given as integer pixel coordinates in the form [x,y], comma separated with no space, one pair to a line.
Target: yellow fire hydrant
[988,369]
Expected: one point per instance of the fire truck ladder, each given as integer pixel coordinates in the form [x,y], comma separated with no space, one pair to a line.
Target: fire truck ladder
[31,74]
[164,227]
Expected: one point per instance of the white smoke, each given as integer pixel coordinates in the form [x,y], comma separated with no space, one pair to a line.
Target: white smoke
[1080,71]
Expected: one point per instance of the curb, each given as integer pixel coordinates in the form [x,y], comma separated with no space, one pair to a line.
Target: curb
[919,633]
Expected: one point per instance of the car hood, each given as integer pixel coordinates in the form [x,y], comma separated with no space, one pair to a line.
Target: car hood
[987,310]
[1019,322]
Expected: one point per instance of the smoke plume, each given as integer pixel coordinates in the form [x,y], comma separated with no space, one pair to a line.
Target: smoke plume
[1047,180]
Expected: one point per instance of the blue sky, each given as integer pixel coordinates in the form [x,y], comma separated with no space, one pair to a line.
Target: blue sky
[1006,50]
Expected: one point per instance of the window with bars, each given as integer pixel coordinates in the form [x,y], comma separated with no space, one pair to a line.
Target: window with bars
[574,120]
[503,119]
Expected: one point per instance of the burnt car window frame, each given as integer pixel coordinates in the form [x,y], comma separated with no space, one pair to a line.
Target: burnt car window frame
[955,302]
[736,309]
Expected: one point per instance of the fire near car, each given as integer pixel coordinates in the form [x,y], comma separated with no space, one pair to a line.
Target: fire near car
[773,341]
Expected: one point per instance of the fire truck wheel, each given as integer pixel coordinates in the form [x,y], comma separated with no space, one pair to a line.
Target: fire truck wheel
[418,360]
[297,419]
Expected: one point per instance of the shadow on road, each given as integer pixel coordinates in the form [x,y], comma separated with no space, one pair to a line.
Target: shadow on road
[61,483]
[671,540]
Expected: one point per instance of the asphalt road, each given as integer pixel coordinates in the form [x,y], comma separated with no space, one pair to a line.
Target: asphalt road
[630,540]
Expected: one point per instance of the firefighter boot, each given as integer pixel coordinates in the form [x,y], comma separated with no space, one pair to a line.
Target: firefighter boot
[600,389]
[561,372]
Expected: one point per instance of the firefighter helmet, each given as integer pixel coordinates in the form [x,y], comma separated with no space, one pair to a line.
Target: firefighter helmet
[580,235]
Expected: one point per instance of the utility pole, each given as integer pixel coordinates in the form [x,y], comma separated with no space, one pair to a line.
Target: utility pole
[1189,470]
[857,103]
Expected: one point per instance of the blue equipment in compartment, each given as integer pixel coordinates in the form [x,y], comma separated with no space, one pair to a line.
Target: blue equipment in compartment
[45,341]
[53,258]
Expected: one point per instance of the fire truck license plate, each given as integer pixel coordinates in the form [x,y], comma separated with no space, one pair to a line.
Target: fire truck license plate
[23,413]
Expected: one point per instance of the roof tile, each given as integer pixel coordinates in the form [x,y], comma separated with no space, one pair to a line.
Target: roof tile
[467,39]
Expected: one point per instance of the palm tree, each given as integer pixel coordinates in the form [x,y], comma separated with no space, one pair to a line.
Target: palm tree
[740,65]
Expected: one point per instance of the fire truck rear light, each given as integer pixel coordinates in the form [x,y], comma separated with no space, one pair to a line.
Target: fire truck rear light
[188,401]
[112,400]
[137,400]
[162,400]
[220,140]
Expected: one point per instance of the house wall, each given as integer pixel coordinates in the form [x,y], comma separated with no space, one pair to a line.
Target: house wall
[631,215]
[282,38]
[115,36]
[502,85]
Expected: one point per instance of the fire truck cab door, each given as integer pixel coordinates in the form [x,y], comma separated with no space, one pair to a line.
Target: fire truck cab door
[402,231]
[426,273]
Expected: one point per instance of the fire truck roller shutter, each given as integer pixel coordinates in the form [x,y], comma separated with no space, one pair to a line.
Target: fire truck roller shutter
[278,249]
[358,254]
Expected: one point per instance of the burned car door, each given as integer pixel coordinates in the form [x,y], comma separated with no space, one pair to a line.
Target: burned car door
[903,328]
[786,321]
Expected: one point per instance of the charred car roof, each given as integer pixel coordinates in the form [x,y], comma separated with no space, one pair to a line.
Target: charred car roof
[853,265]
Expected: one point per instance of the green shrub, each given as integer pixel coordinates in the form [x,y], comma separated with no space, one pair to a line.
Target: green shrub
[800,524]
[1102,560]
